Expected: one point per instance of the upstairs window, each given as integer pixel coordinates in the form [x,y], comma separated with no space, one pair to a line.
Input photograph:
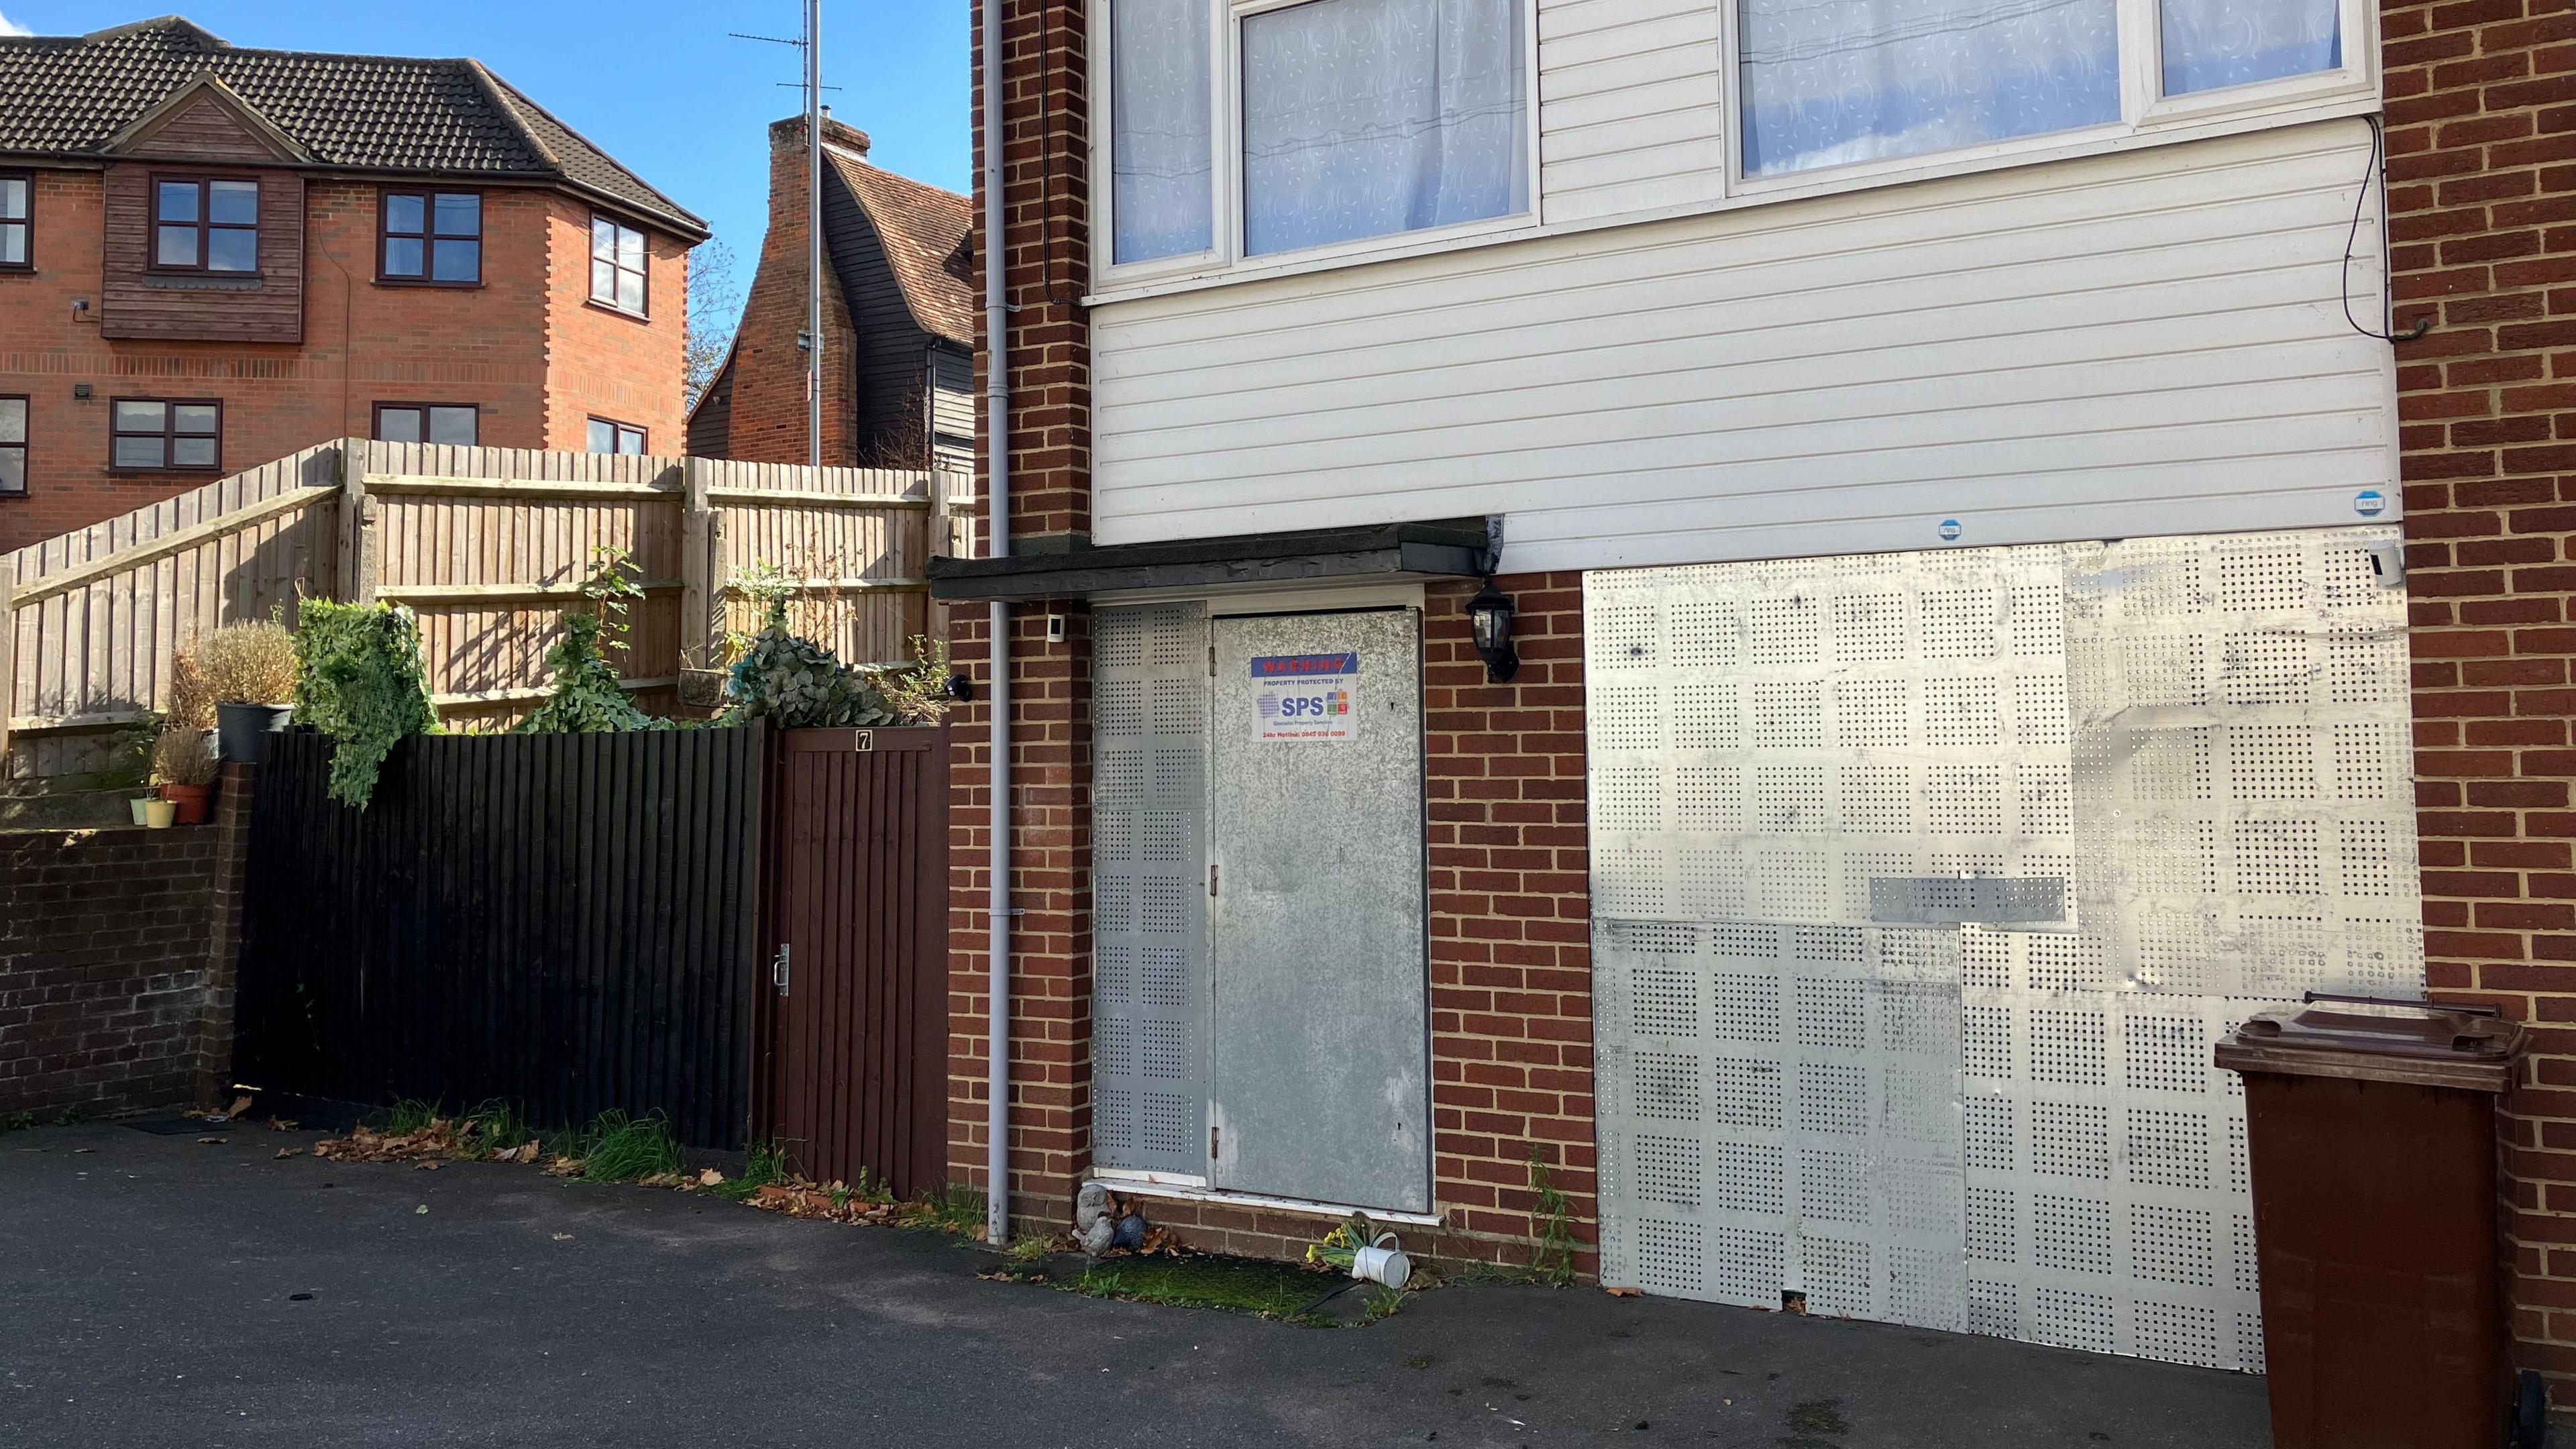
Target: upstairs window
[427,423]
[1251,128]
[432,236]
[616,267]
[13,445]
[607,436]
[1826,85]
[17,221]
[1364,118]
[1162,161]
[158,434]
[202,225]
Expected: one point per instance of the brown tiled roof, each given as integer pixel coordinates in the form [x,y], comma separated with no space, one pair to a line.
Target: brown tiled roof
[920,225]
[66,95]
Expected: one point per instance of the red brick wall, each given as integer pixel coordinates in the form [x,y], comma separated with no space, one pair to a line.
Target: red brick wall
[769,408]
[1051,745]
[1511,905]
[2482,199]
[103,966]
[502,346]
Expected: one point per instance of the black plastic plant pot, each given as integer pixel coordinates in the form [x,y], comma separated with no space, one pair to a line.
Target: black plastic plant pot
[242,730]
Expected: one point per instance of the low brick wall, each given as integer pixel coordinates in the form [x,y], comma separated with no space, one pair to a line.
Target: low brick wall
[110,994]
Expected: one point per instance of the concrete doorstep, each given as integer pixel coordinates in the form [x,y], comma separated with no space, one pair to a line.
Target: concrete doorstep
[157,1290]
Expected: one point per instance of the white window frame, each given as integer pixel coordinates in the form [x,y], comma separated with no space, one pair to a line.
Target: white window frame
[2145,111]
[1225,149]
[2148,118]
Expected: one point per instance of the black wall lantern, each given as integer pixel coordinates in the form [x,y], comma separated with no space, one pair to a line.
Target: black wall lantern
[1489,614]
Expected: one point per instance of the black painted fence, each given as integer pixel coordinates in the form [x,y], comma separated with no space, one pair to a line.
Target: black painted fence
[564,922]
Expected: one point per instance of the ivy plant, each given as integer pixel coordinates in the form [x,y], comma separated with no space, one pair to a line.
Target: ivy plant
[799,684]
[359,679]
[588,697]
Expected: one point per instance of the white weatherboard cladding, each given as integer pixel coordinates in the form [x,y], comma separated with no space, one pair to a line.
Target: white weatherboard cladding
[1149,908]
[1631,117]
[2109,347]
[2239,828]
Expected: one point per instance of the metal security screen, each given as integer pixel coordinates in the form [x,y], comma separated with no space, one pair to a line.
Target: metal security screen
[1149,902]
[1923,885]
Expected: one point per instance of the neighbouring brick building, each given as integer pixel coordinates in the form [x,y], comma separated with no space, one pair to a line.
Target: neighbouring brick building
[898,321]
[1989,617]
[212,256]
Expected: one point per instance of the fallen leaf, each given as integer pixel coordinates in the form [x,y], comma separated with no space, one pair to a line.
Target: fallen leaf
[709,1177]
[429,1166]
[563,1237]
[290,1152]
[422,1210]
[282,1124]
[239,1106]
[1624,1292]
[210,1141]
[83,1151]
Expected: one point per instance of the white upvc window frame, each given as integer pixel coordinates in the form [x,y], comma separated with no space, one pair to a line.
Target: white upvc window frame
[1225,171]
[2145,111]
[2148,118]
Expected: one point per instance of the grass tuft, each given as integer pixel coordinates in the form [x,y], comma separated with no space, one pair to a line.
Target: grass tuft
[16,1122]
[618,1148]
[958,1208]
[404,1117]
[766,1163]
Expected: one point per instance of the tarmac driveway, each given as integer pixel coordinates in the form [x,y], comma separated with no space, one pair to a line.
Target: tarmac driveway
[154,1291]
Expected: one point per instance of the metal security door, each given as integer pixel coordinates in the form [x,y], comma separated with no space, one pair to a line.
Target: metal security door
[1316,909]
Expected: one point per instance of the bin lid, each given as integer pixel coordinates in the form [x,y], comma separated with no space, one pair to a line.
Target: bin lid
[2425,1044]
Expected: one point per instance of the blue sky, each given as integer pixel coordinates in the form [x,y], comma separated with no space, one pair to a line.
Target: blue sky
[655,82]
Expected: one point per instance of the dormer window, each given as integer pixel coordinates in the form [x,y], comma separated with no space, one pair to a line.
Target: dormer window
[204,225]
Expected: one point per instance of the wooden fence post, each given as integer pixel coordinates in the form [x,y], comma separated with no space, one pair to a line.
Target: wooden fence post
[357,526]
[8,654]
[697,566]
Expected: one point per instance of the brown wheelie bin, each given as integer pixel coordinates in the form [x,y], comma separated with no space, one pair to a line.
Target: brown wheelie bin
[2372,1136]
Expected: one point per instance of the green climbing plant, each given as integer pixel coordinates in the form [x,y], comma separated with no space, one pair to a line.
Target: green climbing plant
[359,679]
[1553,1217]
[588,697]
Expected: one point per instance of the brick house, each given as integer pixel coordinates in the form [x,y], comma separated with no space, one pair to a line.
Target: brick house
[2003,587]
[212,256]
[898,321]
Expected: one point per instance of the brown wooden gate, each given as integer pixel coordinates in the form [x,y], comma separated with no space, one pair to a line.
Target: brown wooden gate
[854,1017]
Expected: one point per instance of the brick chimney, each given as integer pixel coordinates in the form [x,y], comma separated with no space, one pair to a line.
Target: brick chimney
[769,368]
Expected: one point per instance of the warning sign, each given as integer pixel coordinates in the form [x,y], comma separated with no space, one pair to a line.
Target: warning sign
[1306,697]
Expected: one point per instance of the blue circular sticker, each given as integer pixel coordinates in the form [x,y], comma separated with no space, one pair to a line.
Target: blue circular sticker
[1950,530]
[2369,503]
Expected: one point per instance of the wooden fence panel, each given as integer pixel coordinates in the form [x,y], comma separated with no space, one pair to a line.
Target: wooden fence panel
[489,546]
[87,659]
[564,922]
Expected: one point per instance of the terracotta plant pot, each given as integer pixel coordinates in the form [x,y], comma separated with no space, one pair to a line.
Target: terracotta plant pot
[190,801]
[160,814]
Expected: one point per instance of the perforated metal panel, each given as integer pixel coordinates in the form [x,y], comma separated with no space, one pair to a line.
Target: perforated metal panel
[1148,851]
[1786,1097]
[2195,751]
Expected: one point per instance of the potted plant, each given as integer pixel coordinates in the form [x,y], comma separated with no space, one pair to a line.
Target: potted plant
[183,761]
[247,671]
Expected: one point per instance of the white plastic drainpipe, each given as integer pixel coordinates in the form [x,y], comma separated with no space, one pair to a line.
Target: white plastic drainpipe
[997,525]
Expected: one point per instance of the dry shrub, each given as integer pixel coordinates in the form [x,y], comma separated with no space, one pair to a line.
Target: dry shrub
[184,757]
[252,662]
[192,700]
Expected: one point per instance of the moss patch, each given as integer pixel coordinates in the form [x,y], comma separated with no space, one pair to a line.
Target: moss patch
[1281,1291]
